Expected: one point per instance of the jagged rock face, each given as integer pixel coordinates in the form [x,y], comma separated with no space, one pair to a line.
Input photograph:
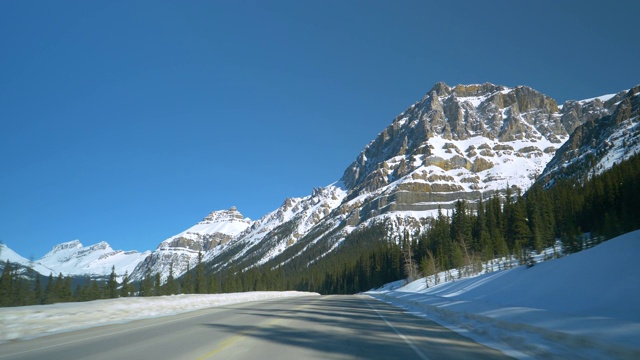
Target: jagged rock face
[180,252]
[598,143]
[478,137]
[280,229]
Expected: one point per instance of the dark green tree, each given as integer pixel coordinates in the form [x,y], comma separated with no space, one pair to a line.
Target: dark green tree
[6,285]
[112,284]
[201,279]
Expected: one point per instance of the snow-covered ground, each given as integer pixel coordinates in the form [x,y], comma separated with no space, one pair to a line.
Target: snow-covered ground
[32,321]
[585,305]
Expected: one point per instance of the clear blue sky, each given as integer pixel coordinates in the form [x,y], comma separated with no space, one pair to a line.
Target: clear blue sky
[129,121]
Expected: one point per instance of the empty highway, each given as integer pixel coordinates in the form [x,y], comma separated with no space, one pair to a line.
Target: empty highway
[314,327]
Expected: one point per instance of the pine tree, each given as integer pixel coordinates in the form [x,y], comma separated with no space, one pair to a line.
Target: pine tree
[125,290]
[94,292]
[112,284]
[171,284]
[49,296]
[37,290]
[410,267]
[146,285]
[187,281]
[6,286]
[201,279]
[66,289]
[157,283]
[481,233]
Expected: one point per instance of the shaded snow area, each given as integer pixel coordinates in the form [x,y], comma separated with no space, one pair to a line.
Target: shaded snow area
[585,305]
[32,321]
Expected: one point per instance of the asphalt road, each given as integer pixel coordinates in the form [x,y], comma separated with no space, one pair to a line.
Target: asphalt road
[314,327]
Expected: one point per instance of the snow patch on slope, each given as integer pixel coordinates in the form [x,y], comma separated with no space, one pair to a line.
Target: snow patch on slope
[72,258]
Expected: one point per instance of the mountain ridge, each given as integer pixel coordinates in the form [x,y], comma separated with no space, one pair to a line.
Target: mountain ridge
[456,143]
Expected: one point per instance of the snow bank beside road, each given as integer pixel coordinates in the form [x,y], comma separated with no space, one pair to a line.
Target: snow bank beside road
[583,305]
[38,320]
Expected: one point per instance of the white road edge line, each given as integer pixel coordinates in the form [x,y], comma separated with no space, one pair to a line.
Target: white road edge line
[417,350]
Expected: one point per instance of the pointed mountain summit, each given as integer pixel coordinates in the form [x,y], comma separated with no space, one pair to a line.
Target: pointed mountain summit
[72,258]
[460,143]
[180,252]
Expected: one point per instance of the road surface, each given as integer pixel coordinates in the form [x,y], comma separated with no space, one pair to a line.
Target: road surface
[314,327]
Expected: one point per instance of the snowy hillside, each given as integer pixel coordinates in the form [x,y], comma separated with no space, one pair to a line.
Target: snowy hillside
[180,252]
[597,145]
[584,305]
[6,254]
[274,232]
[73,259]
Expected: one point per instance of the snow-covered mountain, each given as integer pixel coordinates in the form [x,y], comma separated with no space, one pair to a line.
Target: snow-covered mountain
[73,259]
[7,254]
[269,236]
[462,142]
[180,252]
[597,144]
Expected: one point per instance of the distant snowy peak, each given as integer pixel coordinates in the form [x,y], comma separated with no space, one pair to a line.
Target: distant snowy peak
[229,222]
[224,215]
[64,247]
[216,228]
[72,258]
[273,233]
[180,252]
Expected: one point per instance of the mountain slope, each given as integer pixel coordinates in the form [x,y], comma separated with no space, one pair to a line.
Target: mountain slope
[180,252]
[599,143]
[7,254]
[462,142]
[72,258]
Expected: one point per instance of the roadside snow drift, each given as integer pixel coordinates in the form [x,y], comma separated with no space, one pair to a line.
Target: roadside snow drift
[38,320]
[585,305]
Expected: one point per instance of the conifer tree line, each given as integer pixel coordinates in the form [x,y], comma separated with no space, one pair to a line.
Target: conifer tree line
[19,287]
[510,226]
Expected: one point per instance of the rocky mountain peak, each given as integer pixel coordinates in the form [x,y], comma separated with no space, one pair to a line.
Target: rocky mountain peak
[609,134]
[495,112]
[461,142]
[476,89]
[224,215]
[70,245]
[181,251]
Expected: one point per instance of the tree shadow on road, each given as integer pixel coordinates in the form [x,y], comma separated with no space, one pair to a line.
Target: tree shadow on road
[349,327]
